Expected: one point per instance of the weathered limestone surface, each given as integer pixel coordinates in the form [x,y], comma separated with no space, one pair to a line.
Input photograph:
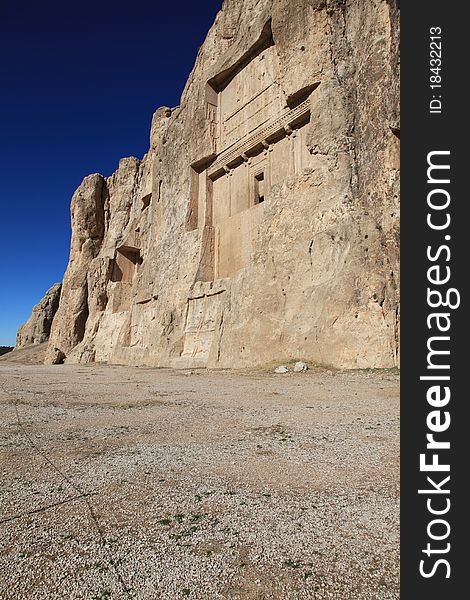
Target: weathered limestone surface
[37,328]
[262,224]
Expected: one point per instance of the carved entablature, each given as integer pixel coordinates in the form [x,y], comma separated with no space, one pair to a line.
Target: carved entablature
[261,139]
[253,128]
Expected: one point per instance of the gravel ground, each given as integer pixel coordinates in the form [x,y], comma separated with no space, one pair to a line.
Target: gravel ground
[122,483]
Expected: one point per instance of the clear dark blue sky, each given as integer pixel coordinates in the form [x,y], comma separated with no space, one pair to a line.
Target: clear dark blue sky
[79,82]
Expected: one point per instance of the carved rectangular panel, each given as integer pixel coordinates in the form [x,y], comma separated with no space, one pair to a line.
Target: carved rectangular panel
[201,322]
[250,100]
[234,240]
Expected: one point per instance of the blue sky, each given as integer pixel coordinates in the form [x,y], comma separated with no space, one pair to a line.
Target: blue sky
[79,84]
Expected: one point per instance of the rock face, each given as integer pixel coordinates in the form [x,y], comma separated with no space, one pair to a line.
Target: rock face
[262,224]
[37,328]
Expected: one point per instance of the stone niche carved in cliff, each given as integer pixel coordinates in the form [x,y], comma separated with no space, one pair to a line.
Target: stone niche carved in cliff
[258,140]
[124,269]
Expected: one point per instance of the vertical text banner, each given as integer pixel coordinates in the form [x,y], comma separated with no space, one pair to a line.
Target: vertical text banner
[434,265]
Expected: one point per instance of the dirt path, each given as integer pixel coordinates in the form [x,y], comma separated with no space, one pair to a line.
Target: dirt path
[155,484]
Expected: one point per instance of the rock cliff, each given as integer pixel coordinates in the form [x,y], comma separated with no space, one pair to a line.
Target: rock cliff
[262,224]
[37,328]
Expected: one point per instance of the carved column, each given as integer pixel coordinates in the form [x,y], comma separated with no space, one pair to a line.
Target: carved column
[267,153]
[291,134]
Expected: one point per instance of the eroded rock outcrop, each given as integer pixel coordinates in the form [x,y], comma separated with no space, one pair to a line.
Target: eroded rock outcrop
[37,328]
[262,224]
[88,226]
